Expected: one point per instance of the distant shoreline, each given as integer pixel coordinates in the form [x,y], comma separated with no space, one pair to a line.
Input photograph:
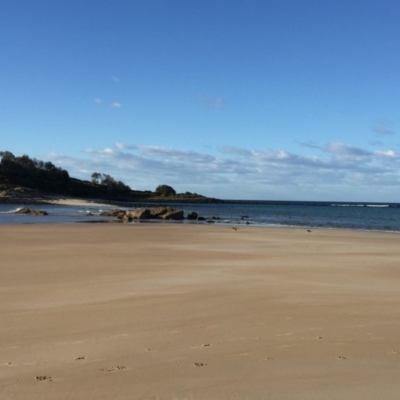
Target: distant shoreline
[75,200]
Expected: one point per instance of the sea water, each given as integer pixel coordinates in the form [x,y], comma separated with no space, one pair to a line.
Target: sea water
[360,216]
[57,214]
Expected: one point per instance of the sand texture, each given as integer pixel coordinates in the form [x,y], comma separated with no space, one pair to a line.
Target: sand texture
[174,311]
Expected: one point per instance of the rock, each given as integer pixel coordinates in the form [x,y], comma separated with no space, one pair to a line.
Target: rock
[30,211]
[22,192]
[174,215]
[201,219]
[113,213]
[126,218]
[192,215]
[140,213]
[158,212]
[167,212]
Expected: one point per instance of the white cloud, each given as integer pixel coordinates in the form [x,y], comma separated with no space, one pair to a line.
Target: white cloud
[116,105]
[336,171]
[115,79]
[97,100]
[387,154]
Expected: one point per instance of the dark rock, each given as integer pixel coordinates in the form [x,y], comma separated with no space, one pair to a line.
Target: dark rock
[163,212]
[30,211]
[173,215]
[201,219]
[192,215]
[116,212]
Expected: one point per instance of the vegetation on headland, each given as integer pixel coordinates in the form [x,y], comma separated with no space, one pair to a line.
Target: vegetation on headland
[24,177]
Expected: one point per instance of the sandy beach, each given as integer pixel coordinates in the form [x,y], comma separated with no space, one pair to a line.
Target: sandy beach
[73,201]
[178,311]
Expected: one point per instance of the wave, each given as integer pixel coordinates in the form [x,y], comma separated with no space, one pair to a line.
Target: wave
[347,205]
[11,211]
[361,205]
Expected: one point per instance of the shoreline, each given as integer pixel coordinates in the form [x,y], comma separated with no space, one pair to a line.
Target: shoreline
[215,223]
[55,200]
[178,311]
[212,215]
[73,201]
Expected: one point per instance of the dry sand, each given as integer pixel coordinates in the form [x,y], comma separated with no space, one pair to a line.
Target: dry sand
[72,201]
[164,311]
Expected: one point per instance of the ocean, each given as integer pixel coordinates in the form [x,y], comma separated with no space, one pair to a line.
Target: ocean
[343,215]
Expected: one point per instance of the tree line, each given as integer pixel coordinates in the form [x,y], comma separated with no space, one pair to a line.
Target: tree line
[26,171]
[31,166]
[44,175]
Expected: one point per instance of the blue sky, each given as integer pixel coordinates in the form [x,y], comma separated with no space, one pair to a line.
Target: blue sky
[247,99]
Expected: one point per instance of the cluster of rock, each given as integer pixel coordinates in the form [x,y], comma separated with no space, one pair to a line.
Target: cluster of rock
[166,213]
[30,211]
[163,212]
[21,195]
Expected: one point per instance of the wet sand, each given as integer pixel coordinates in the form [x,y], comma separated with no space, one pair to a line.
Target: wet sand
[176,311]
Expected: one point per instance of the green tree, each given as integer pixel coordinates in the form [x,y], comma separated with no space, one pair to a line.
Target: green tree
[96,177]
[165,190]
[109,181]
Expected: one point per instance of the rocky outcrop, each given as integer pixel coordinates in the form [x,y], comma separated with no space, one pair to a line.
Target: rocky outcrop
[113,213]
[21,195]
[140,213]
[166,213]
[159,212]
[30,211]
[173,215]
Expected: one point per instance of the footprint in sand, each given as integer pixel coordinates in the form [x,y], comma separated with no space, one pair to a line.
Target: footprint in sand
[196,346]
[199,364]
[113,368]
[80,358]
[341,358]
[43,378]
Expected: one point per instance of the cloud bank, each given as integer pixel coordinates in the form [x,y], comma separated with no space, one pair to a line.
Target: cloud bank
[336,171]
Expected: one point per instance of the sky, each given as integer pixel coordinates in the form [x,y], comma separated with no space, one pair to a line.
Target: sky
[244,99]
